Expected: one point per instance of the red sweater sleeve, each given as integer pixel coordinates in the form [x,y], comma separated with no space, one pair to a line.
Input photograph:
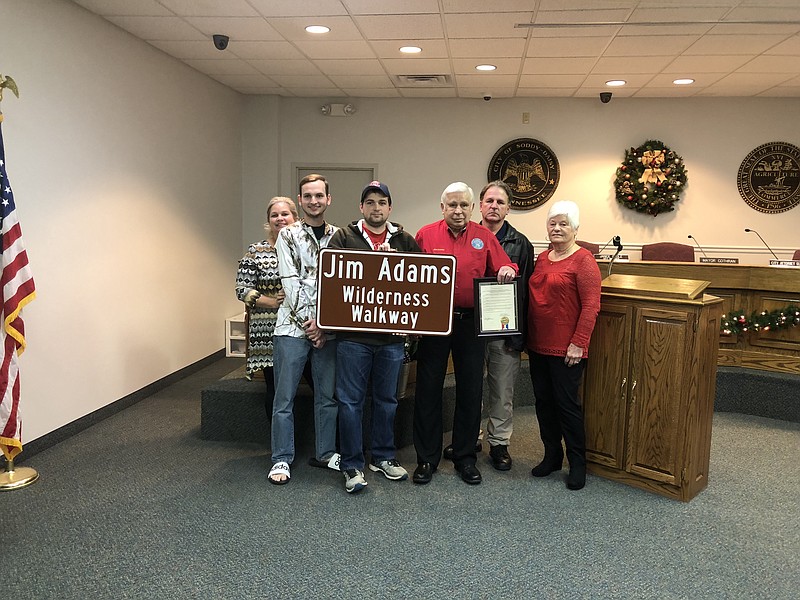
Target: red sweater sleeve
[587,279]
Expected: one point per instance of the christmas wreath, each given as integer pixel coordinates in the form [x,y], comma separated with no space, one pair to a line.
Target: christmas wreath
[650,179]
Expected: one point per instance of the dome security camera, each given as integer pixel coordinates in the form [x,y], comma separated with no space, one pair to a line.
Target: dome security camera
[605,97]
[220,41]
[487,97]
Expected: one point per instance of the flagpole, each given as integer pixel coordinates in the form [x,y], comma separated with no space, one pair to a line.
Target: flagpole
[16,478]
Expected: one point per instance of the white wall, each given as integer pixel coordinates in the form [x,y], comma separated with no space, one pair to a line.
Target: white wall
[126,169]
[422,145]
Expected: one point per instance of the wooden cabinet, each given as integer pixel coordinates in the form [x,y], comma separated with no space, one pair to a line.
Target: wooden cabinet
[650,382]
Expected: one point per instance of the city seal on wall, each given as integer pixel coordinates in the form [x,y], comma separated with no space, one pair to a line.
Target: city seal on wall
[530,169]
[769,177]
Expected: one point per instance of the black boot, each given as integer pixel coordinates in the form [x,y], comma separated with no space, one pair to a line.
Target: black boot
[549,464]
[577,477]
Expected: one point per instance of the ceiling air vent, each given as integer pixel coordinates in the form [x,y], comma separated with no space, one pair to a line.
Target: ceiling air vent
[415,81]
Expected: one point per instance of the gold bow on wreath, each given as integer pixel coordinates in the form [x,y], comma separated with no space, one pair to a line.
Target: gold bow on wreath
[652,161]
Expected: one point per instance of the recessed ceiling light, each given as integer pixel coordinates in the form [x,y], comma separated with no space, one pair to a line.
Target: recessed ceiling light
[616,82]
[317,29]
[685,81]
[410,49]
[485,68]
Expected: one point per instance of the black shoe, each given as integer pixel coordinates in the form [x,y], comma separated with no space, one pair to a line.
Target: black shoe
[448,450]
[469,474]
[577,477]
[501,459]
[547,466]
[423,473]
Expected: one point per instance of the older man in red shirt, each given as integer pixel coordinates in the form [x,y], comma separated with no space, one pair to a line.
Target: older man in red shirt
[478,254]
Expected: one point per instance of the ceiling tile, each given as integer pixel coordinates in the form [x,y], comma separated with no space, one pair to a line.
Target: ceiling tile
[237,28]
[701,80]
[159,28]
[486,48]
[705,64]
[555,66]
[400,27]
[222,66]
[537,92]
[560,47]
[362,81]
[649,45]
[372,92]
[391,48]
[246,81]
[340,50]
[733,44]
[479,92]
[505,66]
[771,64]
[630,64]
[646,42]
[302,81]
[563,81]
[285,67]
[417,66]
[789,47]
[583,16]
[481,6]
[427,92]
[350,67]
[486,81]
[316,92]
[264,50]
[185,50]
[210,8]
[293,29]
[491,25]
[144,8]
[687,14]
[293,8]
[391,7]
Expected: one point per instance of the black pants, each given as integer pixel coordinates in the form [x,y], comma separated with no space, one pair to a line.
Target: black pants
[468,356]
[558,407]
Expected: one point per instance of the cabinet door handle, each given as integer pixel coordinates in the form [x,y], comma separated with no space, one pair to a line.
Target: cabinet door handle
[633,396]
[622,394]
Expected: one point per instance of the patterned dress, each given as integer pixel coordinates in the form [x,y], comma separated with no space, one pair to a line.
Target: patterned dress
[258,270]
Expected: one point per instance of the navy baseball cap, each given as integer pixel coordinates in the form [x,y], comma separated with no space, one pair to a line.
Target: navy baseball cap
[376,186]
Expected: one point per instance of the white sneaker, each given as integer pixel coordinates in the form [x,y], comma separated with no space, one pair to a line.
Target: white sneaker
[354,481]
[391,468]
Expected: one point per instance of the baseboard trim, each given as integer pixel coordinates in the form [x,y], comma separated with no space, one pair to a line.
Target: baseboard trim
[57,436]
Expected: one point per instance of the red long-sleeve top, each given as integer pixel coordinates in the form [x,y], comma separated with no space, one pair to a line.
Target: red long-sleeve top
[563,303]
[477,252]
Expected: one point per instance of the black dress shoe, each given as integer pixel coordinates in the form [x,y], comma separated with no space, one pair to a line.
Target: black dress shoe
[423,473]
[448,450]
[501,459]
[547,466]
[577,477]
[469,474]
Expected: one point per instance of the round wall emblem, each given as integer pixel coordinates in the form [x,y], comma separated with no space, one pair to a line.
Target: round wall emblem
[530,169]
[769,178]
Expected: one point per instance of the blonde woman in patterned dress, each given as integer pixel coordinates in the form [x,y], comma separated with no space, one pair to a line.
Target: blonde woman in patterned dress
[258,285]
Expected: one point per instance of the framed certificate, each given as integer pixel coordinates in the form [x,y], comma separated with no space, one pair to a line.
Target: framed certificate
[498,307]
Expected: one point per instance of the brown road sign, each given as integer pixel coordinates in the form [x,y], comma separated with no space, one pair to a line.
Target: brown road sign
[385,292]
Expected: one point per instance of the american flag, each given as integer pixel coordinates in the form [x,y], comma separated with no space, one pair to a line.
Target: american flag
[18,290]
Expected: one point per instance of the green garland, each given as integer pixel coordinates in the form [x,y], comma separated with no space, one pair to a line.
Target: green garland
[650,179]
[736,323]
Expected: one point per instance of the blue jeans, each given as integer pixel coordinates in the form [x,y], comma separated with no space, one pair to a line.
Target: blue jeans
[290,356]
[356,363]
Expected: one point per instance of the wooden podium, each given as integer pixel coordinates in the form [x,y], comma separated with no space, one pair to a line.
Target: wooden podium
[650,382]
